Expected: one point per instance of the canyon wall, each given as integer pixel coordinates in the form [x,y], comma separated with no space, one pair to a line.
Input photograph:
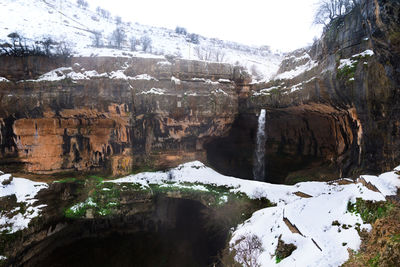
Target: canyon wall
[331,109]
[111,114]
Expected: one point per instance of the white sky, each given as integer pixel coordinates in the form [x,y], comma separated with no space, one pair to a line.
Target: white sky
[282,24]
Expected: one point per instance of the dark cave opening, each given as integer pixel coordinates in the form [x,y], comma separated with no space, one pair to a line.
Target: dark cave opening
[176,232]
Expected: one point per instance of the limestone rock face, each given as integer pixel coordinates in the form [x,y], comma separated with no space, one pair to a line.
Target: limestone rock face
[331,109]
[111,114]
[337,100]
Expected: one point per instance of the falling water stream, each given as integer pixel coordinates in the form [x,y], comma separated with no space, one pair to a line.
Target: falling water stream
[259,164]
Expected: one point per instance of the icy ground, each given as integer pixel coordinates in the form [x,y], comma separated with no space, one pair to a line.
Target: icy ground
[303,215]
[63,20]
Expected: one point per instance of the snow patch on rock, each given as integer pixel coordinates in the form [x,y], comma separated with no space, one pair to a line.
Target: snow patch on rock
[297,71]
[154,91]
[25,191]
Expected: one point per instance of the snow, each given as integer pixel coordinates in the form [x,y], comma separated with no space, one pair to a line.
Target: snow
[266,91]
[175,80]
[313,217]
[303,57]
[88,203]
[111,52]
[182,186]
[64,21]
[224,81]
[154,91]
[208,81]
[4,80]
[297,71]
[199,79]
[94,74]
[350,62]
[167,63]
[219,91]
[387,183]
[190,93]
[366,53]
[296,87]
[144,77]
[319,243]
[67,73]
[119,74]
[25,192]
[197,172]
[346,63]
[2,258]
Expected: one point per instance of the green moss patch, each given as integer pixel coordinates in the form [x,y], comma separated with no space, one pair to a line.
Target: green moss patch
[347,72]
[104,197]
[370,211]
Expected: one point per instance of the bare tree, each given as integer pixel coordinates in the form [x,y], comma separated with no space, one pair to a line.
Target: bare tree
[146,43]
[63,49]
[194,38]
[45,47]
[181,30]
[132,42]
[82,3]
[48,44]
[327,10]
[118,37]
[209,54]
[219,55]
[202,53]
[248,249]
[102,12]
[97,39]
[118,20]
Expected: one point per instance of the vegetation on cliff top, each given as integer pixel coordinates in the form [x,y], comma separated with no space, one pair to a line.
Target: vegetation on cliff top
[381,246]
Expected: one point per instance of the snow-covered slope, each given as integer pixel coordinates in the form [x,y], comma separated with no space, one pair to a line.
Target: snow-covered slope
[312,215]
[63,20]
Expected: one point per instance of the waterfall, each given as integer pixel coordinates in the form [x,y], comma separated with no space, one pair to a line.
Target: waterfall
[259,166]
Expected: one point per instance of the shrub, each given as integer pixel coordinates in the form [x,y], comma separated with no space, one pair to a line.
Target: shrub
[146,43]
[181,30]
[194,38]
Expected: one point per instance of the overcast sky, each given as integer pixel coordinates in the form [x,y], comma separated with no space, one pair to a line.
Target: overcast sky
[282,24]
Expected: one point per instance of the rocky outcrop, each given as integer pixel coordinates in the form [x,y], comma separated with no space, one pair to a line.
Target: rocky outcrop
[335,103]
[111,114]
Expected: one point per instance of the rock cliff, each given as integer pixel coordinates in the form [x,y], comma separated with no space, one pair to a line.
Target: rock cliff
[113,114]
[331,109]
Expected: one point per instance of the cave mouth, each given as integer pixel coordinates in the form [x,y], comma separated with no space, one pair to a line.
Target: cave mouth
[175,233]
[304,143]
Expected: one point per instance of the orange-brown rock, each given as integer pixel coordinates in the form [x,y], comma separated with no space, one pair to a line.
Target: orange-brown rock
[112,123]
